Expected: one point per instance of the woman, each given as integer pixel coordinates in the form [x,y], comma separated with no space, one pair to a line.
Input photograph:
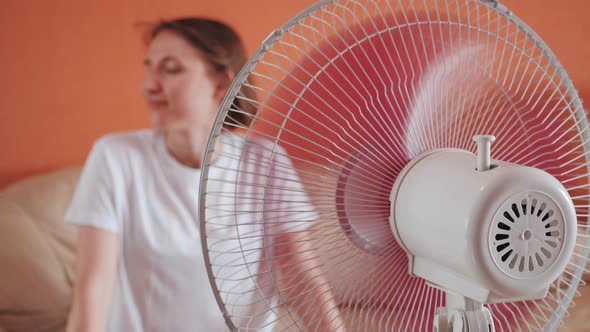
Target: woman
[140,264]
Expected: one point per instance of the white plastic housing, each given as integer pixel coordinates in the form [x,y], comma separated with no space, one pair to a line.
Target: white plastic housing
[455,224]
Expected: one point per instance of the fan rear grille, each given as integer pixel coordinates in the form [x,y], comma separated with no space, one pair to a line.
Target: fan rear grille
[526,235]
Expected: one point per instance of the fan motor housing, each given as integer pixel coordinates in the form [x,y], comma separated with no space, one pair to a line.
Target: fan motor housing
[499,235]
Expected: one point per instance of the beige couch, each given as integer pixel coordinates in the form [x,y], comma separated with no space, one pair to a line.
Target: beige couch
[37,252]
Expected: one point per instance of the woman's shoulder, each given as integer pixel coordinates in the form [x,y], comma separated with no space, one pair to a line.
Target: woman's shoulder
[128,140]
[125,144]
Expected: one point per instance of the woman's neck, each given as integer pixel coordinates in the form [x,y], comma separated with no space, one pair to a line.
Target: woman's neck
[187,148]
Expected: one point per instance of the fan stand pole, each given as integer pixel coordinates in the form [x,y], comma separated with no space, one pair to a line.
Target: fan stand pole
[463,314]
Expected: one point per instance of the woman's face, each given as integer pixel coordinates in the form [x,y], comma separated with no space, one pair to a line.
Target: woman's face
[181,90]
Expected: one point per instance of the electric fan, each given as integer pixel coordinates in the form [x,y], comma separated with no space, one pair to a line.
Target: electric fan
[429,159]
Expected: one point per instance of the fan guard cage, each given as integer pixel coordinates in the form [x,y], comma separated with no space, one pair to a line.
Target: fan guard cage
[382,82]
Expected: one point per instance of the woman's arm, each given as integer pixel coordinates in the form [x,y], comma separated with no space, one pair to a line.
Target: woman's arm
[304,287]
[96,266]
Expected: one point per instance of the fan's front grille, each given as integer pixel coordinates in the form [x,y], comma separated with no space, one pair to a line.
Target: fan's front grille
[526,236]
[371,84]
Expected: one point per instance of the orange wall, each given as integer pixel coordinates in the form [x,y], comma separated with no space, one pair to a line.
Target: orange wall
[71,69]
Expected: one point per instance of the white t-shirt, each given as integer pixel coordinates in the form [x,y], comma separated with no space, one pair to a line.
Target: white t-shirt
[131,186]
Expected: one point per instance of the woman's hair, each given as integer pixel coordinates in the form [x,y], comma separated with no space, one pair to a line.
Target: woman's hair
[223,50]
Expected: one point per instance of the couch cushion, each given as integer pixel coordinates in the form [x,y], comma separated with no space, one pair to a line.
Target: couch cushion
[37,252]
